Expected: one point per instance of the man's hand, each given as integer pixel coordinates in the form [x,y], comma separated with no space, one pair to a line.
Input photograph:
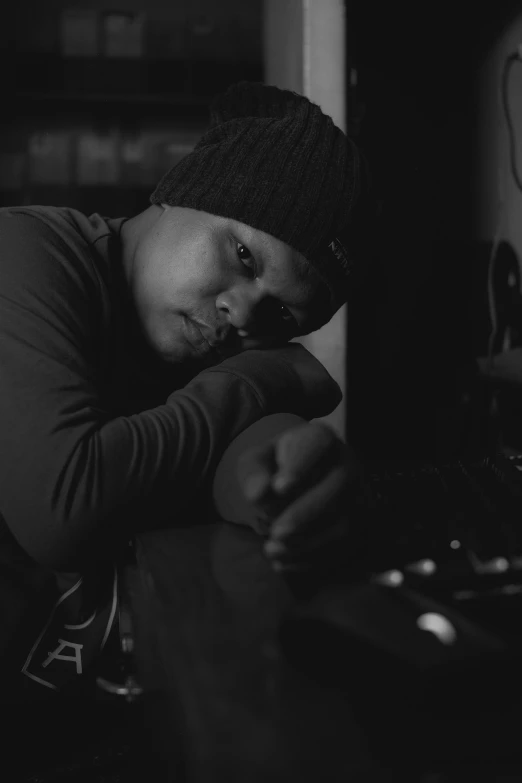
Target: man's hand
[298,483]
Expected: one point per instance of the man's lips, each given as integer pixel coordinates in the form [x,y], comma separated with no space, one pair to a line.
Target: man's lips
[231,344]
[204,345]
[195,336]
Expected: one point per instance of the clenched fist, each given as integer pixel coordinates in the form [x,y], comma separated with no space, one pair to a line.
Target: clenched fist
[297,482]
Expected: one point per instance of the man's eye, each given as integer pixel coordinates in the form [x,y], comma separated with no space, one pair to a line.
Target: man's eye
[273,318]
[246,256]
[288,319]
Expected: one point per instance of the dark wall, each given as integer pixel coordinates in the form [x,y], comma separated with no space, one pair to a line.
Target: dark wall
[101,99]
[414,337]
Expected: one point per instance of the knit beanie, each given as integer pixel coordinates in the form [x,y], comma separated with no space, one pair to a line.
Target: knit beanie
[273,160]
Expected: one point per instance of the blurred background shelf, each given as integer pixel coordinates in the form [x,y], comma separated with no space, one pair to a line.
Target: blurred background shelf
[107,200]
[172,100]
[152,80]
[101,101]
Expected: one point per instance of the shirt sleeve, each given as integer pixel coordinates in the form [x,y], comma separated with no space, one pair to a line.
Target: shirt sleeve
[71,476]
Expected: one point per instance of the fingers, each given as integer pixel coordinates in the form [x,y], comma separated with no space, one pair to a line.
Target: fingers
[257,484]
[298,483]
[302,454]
[307,550]
[312,508]
[297,456]
[255,470]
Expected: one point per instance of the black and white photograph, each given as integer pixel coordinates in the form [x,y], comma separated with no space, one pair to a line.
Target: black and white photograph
[261,391]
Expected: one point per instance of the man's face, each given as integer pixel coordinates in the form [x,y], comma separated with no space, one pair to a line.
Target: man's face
[207,287]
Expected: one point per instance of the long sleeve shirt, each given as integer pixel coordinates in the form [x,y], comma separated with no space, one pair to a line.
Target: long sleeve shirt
[72,456]
[96,440]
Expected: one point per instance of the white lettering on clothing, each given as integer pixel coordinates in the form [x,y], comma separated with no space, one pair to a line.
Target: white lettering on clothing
[56,655]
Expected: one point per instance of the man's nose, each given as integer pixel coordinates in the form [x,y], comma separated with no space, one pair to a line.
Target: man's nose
[239,306]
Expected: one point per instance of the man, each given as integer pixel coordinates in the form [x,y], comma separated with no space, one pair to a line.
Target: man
[133,351]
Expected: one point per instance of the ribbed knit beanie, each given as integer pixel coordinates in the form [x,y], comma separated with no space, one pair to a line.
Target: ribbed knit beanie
[273,160]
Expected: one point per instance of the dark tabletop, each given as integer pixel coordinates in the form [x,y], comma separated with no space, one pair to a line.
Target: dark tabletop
[226,703]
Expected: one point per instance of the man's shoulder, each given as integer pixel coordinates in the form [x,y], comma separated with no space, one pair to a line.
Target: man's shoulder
[69,224]
[57,241]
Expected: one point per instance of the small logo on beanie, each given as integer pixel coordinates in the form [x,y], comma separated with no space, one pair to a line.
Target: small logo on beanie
[340,253]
